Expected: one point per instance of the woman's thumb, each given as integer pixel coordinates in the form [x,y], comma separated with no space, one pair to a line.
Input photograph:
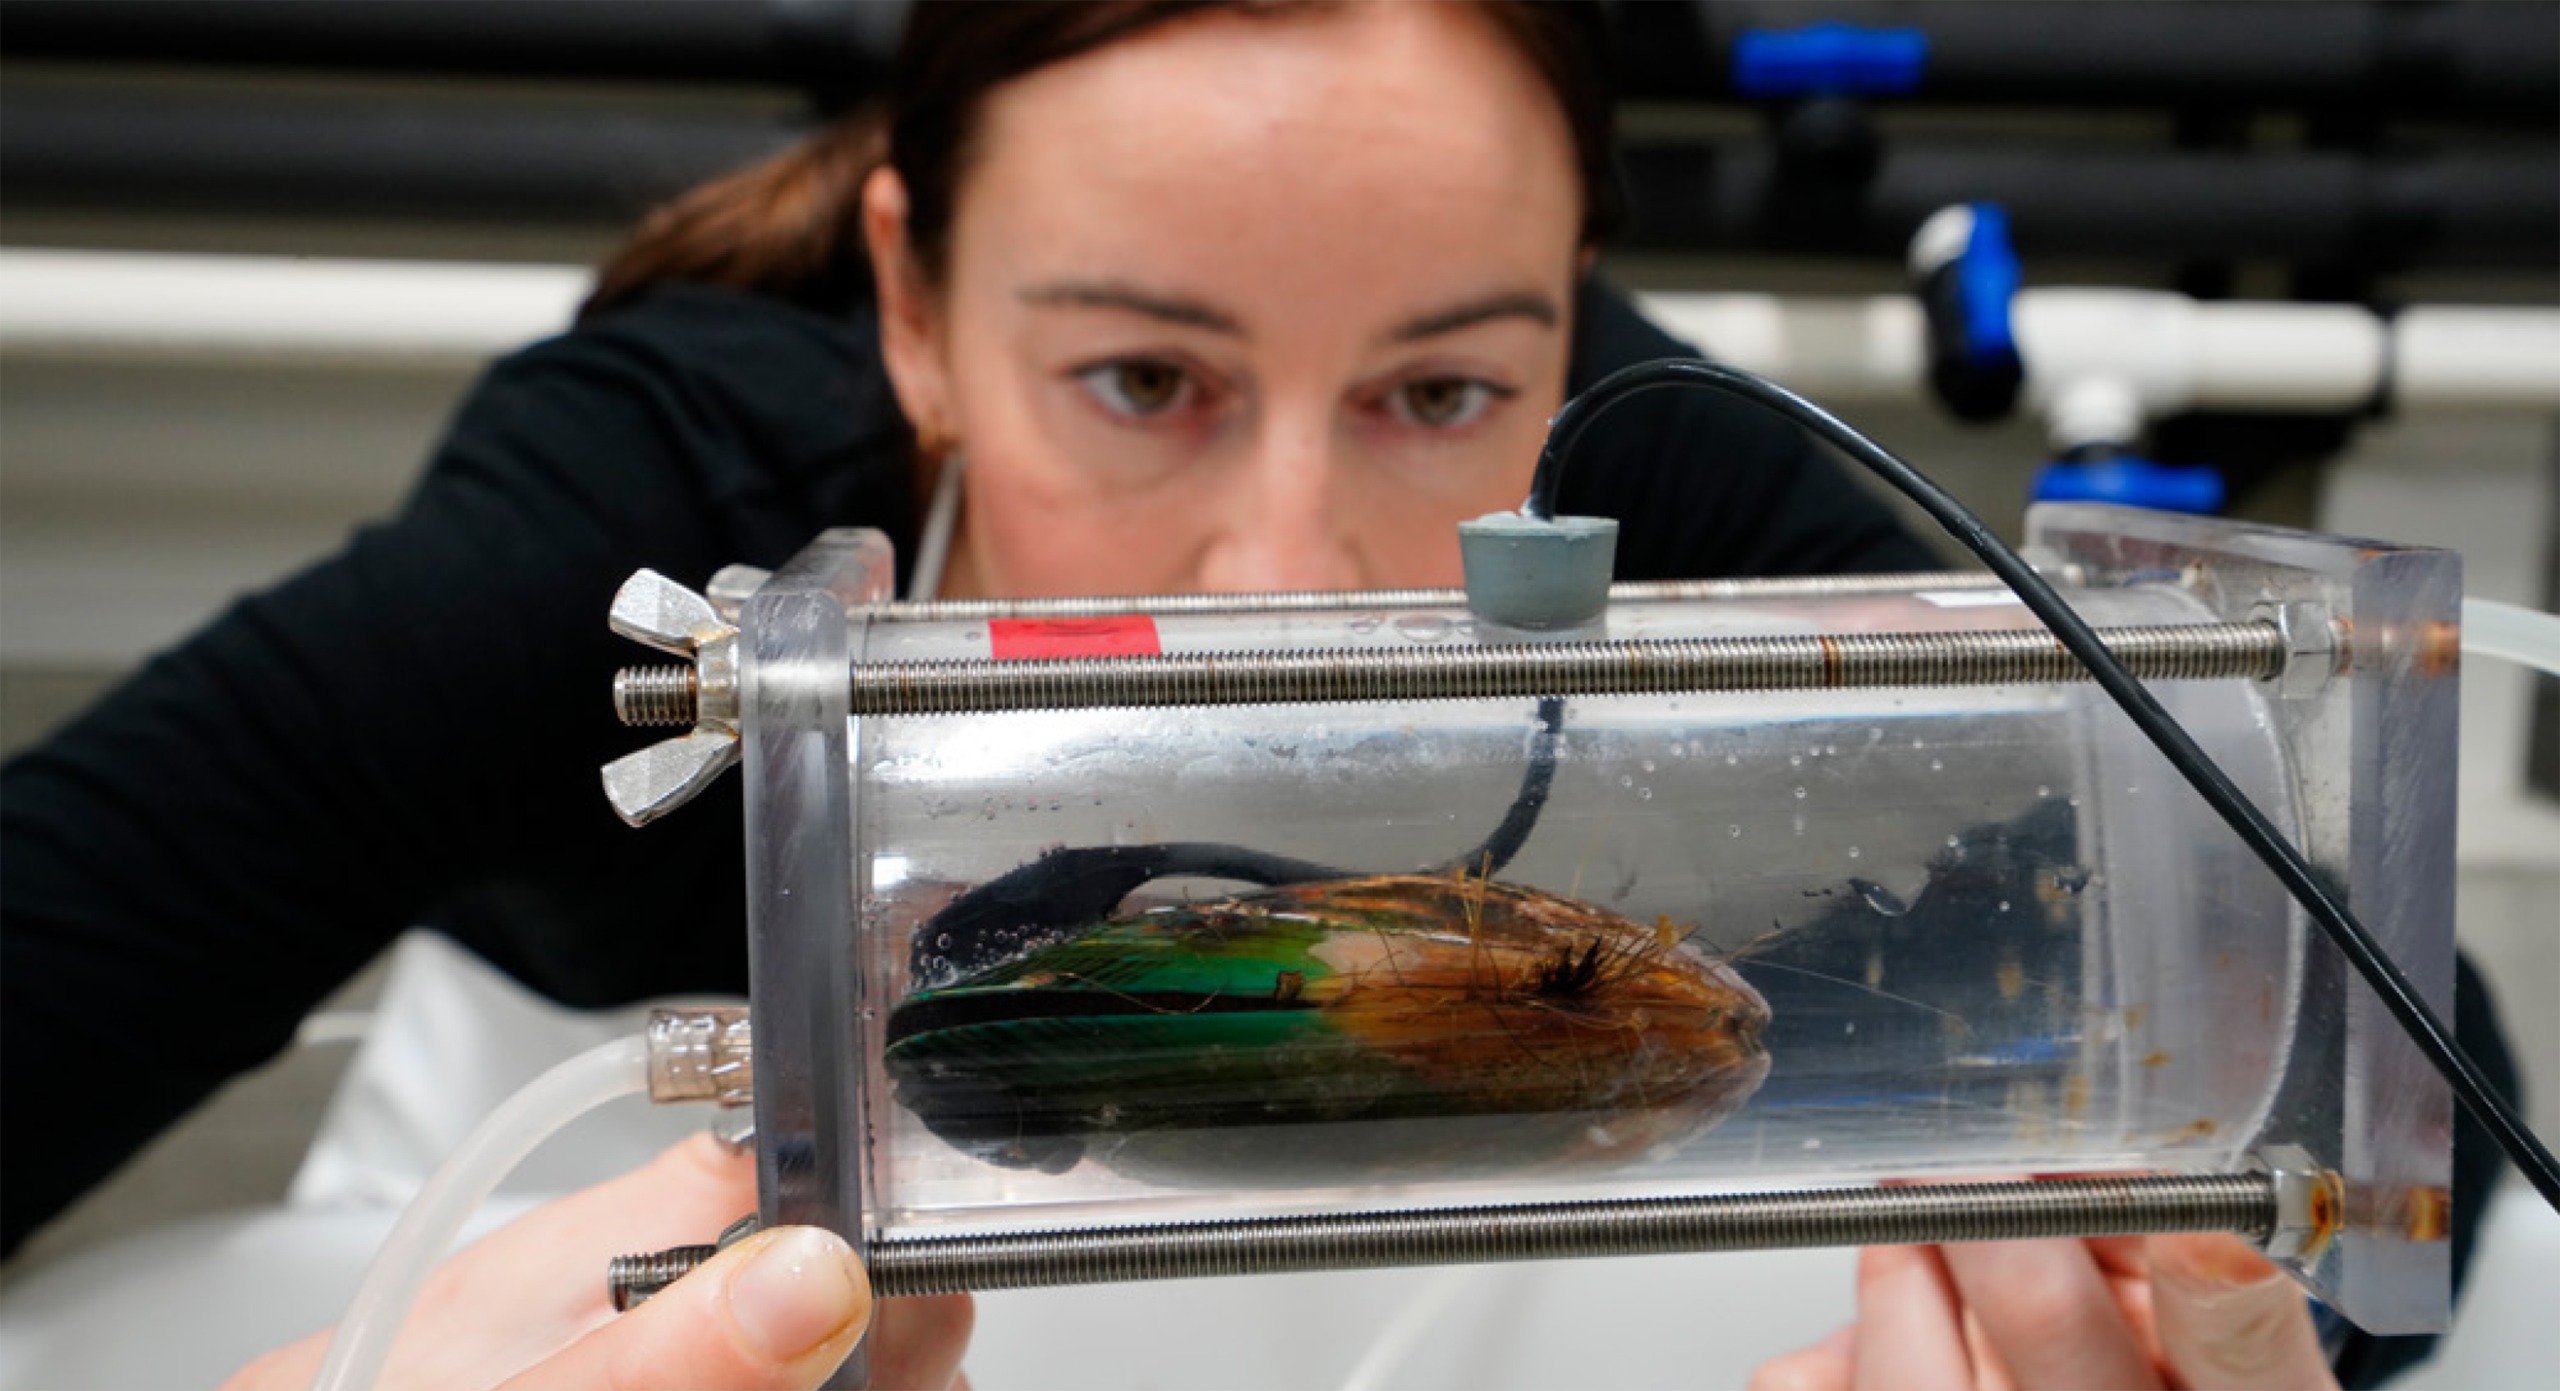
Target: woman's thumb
[776,1312]
[2228,1318]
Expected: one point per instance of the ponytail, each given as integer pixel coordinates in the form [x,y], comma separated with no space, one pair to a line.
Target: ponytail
[790,227]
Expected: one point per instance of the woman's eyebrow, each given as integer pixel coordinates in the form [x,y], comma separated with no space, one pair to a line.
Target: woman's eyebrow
[1109,294]
[1510,304]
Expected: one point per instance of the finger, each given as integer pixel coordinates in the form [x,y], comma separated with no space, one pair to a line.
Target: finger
[2120,1255]
[2049,1314]
[1989,1372]
[1826,1366]
[920,1342]
[775,1312]
[1908,1329]
[535,1286]
[2229,1318]
[2133,1301]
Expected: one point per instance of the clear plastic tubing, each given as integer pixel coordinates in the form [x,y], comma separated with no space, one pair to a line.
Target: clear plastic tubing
[2524,636]
[456,1189]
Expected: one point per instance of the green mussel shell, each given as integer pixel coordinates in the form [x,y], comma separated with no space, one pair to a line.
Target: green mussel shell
[1345,1030]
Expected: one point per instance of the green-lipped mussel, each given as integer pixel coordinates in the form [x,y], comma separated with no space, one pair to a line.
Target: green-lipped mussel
[1392,1021]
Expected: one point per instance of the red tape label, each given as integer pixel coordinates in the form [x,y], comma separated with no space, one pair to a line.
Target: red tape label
[1030,639]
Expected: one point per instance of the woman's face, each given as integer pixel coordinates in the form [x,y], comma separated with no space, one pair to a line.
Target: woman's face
[1244,303]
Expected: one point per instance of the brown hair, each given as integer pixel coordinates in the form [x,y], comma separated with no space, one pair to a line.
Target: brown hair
[791,227]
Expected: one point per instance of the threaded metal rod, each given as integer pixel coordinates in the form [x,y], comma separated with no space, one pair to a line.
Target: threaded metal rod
[654,695]
[2133,1206]
[631,1281]
[1347,600]
[1758,663]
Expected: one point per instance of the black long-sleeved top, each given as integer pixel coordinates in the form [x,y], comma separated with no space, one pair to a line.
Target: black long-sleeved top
[409,731]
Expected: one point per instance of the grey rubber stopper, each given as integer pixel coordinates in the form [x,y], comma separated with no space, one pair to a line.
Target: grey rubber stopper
[1527,573]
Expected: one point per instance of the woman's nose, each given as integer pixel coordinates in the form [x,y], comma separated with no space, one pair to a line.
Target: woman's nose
[1280,526]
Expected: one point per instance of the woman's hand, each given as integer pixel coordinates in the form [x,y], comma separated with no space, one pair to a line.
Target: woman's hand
[526,1308]
[2201,1311]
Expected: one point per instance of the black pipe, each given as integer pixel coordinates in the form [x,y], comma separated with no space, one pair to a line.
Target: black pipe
[826,46]
[273,156]
[2485,60]
[2479,208]
[582,165]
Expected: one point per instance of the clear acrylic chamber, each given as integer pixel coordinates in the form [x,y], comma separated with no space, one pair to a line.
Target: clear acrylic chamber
[1128,966]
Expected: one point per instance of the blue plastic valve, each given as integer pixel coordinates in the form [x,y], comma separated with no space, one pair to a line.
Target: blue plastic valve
[1987,277]
[2135,482]
[1831,59]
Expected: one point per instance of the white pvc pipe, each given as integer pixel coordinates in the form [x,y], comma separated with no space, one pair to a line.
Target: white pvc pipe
[2464,357]
[1831,349]
[2168,351]
[342,312]
[457,1188]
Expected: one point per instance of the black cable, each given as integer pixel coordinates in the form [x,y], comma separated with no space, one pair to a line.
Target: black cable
[1488,859]
[2430,1035]
[1073,887]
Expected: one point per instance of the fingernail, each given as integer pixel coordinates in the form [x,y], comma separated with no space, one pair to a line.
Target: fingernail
[802,1289]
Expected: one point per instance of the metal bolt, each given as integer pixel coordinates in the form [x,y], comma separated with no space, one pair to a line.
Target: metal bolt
[1757,663]
[2129,1206]
[2203,651]
[651,782]
[644,696]
[1349,600]
[631,1281]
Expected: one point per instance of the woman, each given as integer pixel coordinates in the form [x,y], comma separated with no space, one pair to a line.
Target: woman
[1262,297]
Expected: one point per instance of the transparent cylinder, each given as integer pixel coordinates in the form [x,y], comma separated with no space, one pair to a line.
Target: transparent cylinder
[1148,965]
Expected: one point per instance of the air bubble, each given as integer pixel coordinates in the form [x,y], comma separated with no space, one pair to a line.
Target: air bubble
[1955,842]
[1795,760]
[1734,831]
[1646,765]
[1799,794]
[1732,759]
[1626,780]
[1644,794]
[2044,790]
[1937,765]
[1853,852]
[2004,905]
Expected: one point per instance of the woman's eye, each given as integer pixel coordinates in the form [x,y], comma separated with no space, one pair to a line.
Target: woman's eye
[1442,403]
[1137,388]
